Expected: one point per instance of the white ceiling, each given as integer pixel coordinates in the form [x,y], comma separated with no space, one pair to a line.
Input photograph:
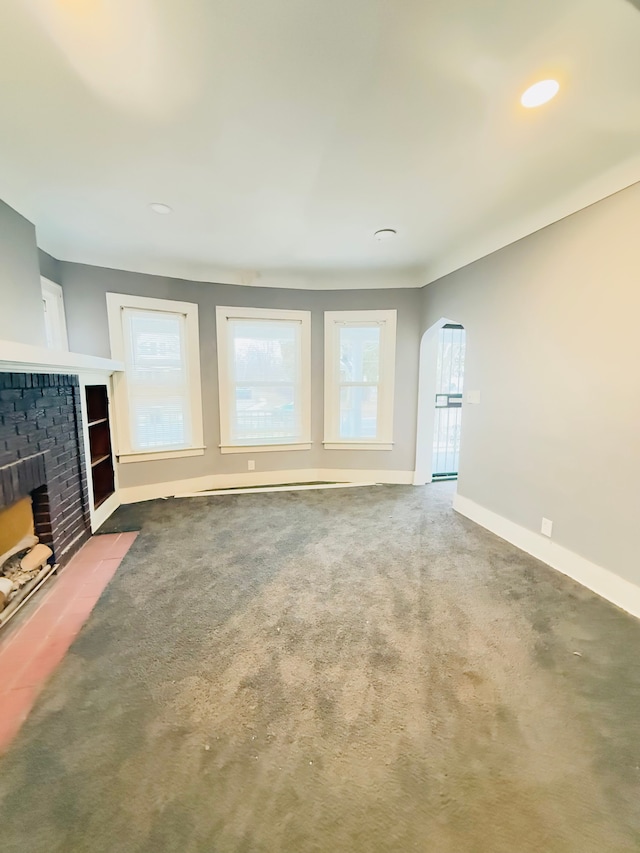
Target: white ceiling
[285,132]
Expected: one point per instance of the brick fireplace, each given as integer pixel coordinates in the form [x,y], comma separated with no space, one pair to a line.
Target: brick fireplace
[42,456]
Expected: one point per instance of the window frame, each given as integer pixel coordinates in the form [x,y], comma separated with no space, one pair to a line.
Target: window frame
[225,313]
[333,322]
[53,296]
[116,303]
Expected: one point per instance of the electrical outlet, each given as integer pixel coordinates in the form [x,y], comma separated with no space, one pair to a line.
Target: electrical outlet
[473,398]
[251,465]
[547,527]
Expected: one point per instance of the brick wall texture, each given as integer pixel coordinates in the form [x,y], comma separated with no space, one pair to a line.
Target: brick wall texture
[42,454]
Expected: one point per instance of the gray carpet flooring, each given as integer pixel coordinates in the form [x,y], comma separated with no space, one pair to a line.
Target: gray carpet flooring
[348,671]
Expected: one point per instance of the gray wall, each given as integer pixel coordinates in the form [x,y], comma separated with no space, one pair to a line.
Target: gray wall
[49,267]
[553,345]
[85,304]
[21,312]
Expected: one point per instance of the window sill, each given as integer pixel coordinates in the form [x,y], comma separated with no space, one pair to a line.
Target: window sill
[264,448]
[156,455]
[358,445]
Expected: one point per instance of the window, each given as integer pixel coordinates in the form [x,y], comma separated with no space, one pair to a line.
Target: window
[359,368]
[264,369]
[157,399]
[54,320]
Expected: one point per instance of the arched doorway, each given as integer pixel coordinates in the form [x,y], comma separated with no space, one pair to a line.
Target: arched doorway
[448,402]
[441,374]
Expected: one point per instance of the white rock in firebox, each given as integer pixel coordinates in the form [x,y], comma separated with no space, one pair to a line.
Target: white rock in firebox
[36,558]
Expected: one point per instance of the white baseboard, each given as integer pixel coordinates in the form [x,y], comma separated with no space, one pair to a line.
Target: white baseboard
[134,494]
[355,475]
[604,583]
[254,490]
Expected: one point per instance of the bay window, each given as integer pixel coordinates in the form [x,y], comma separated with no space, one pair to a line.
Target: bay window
[158,397]
[264,379]
[359,379]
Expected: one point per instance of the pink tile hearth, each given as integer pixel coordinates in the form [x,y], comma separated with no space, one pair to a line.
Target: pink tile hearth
[31,650]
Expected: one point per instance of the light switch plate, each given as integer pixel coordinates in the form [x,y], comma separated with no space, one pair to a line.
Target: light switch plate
[473,397]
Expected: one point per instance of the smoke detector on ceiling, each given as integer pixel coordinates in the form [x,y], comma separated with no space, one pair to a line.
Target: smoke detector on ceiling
[385,234]
[161,209]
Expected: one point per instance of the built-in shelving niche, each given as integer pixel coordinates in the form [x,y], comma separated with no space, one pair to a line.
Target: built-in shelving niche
[101,461]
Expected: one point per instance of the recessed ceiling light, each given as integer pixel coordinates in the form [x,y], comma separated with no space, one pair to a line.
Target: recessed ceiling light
[385,234]
[162,209]
[540,93]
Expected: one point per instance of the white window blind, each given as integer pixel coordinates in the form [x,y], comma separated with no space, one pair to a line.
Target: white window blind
[158,404]
[157,379]
[263,370]
[359,379]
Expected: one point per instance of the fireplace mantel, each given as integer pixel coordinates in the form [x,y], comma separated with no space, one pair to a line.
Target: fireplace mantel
[23,358]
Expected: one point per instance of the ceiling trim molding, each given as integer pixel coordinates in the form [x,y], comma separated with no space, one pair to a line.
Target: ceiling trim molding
[607,184]
[355,279]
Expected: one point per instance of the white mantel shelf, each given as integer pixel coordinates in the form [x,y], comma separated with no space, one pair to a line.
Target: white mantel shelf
[23,358]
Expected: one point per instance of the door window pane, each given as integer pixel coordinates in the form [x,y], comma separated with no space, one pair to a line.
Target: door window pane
[448,415]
